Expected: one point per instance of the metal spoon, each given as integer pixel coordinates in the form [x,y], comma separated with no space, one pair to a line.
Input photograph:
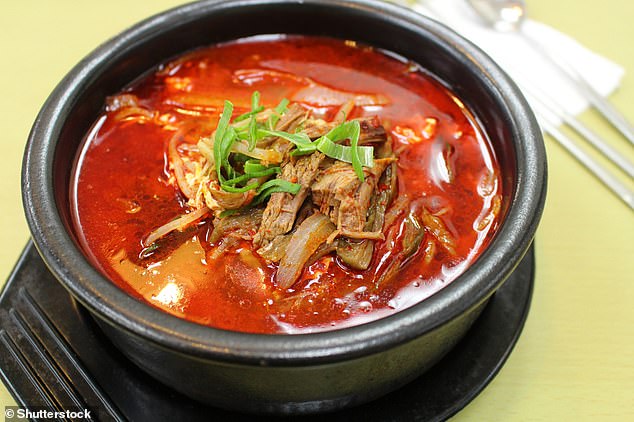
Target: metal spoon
[509,15]
[502,15]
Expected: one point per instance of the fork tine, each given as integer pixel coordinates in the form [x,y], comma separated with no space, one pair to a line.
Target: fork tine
[607,110]
[623,192]
[547,103]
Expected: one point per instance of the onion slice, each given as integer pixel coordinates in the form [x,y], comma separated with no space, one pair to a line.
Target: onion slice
[177,224]
[310,234]
[178,166]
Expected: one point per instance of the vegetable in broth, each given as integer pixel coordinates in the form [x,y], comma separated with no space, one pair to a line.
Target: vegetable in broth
[285,185]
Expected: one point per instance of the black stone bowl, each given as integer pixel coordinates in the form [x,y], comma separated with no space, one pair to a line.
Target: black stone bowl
[284,373]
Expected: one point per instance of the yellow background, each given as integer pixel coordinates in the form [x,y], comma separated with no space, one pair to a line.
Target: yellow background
[575,358]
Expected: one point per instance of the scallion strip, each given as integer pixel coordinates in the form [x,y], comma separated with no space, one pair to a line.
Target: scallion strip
[349,130]
[252,166]
[344,153]
[299,152]
[281,183]
[227,141]
[255,108]
[301,140]
[252,136]
[248,114]
[352,154]
[343,131]
[276,185]
[354,147]
[255,100]
[279,110]
[223,124]
[233,189]
[251,175]
[242,132]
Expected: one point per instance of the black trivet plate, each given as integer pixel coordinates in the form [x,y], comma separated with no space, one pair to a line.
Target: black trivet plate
[53,355]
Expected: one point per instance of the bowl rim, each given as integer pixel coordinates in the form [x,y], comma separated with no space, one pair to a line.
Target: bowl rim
[103,298]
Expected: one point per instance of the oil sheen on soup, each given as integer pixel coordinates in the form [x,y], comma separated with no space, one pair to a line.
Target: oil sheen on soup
[285,184]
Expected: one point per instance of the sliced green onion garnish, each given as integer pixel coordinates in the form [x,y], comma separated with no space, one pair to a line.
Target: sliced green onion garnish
[352,154]
[253,133]
[223,123]
[248,114]
[242,132]
[255,108]
[299,152]
[344,153]
[349,130]
[301,140]
[252,166]
[233,189]
[227,141]
[284,185]
[279,110]
[251,175]
[344,131]
[354,146]
[227,134]
[255,100]
[272,186]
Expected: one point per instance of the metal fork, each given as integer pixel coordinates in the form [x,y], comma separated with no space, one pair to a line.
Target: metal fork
[537,97]
[512,15]
[621,190]
[544,102]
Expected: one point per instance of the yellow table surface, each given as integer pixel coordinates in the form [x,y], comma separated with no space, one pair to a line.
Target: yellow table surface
[575,358]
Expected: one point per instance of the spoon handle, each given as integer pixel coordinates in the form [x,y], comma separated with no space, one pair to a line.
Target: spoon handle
[503,15]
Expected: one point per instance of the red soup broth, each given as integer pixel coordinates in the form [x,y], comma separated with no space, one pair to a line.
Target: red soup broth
[122,188]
